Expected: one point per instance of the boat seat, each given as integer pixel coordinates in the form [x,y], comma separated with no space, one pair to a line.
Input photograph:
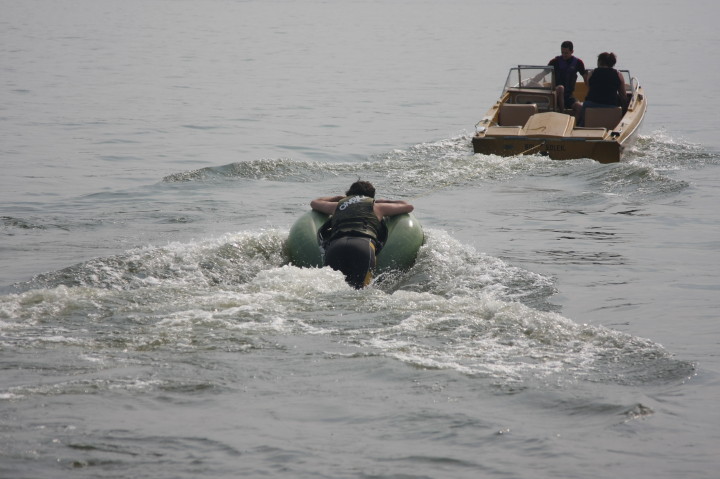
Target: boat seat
[544,101]
[503,131]
[603,117]
[512,114]
[549,124]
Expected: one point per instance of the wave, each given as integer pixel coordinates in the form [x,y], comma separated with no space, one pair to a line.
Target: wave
[428,167]
[663,152]
[230,259]
[456,309]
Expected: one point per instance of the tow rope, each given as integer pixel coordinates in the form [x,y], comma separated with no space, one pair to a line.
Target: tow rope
[530,150]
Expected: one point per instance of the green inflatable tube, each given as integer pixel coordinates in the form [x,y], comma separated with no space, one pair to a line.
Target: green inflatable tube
[405,236]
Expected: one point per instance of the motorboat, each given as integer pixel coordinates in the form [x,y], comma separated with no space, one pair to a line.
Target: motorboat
[526,120]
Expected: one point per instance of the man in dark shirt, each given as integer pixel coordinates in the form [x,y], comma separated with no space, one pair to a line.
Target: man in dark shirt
[567,67]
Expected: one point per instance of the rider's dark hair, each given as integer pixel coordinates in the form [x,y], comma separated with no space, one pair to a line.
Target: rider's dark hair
[363,188]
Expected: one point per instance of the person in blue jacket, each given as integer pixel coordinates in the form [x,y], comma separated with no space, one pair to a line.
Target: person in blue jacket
[567,68]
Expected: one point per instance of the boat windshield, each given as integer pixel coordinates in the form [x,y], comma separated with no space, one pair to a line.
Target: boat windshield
[531,77]
[626,76]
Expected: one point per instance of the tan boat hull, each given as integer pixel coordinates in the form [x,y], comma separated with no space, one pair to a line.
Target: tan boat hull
[603,151]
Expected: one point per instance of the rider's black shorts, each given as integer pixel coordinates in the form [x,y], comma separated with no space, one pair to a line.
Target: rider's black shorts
[354,256]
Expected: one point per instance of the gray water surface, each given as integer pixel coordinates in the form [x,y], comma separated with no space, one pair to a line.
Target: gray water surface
[560,320]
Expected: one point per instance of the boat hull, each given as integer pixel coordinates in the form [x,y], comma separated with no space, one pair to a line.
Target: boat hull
[405,236]
[603,151]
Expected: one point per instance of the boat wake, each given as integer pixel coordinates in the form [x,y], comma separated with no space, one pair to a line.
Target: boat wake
[455,309]
[665,153]
[428,167]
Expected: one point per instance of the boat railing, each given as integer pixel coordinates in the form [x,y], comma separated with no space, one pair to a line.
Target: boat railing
[633,92]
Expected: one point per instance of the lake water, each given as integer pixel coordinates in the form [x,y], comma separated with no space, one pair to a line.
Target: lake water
[561,319]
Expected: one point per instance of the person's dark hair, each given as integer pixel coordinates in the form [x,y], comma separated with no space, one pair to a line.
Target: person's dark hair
[607,59]
[567,44]
[364,188]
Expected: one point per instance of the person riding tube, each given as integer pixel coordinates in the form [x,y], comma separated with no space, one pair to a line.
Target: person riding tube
[354,234]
